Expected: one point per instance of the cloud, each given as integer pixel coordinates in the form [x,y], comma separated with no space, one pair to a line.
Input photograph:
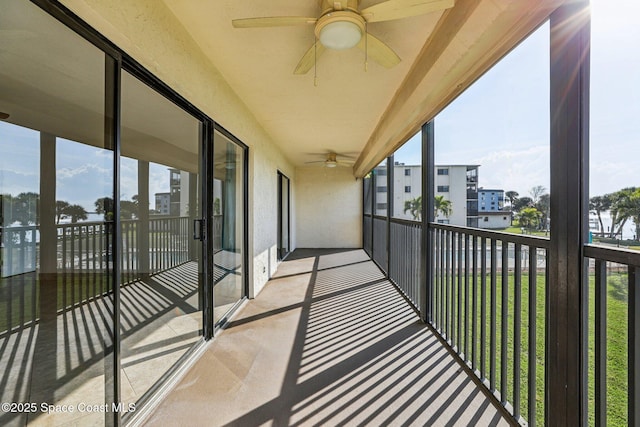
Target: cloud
[518,170]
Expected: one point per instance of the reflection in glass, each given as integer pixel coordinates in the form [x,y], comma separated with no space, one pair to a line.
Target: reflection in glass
[229,211]
[56,304]
[160,263]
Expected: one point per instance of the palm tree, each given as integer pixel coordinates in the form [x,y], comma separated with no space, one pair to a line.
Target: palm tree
[512,196]
[442,205]
[529,217]
[625,205]
[76,213]
[104,206]
[414,206]
[61,207]
[600,204]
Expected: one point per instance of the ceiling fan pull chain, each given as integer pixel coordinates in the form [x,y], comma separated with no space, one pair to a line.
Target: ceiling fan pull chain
[315,62]
[366,48]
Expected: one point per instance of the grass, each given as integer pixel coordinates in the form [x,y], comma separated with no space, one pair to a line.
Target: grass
[616,341]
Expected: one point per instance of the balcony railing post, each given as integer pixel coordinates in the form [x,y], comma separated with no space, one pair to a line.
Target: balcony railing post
[390,169]
[566,358]
[427,259]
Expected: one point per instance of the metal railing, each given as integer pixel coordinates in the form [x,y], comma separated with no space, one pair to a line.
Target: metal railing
[84,261]
[405,253]
[366,233]
[487,302]
[615,294]
[380,242]
[487,296]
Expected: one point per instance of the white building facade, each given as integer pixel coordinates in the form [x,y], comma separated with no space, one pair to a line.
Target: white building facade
[456,183]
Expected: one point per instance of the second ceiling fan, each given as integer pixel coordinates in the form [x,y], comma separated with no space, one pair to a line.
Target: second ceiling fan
[342,25]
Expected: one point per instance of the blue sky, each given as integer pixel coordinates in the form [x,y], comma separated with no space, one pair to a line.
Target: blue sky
[502,121]
[84,173]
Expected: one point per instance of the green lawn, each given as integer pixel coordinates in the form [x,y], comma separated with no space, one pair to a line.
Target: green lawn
[616,342]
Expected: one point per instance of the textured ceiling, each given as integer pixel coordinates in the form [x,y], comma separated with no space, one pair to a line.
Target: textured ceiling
[350,110]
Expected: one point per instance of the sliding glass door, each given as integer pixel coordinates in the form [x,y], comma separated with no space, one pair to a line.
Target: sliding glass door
[56,265]
[284,223]
[160,263]
[229,224]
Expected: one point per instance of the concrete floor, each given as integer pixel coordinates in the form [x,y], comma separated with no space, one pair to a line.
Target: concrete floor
[327,342]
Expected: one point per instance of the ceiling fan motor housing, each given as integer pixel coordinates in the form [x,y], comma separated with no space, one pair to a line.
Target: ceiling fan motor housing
[340,29]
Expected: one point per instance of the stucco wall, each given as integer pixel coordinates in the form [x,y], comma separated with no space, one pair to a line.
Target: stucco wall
[149,33]
[328,208]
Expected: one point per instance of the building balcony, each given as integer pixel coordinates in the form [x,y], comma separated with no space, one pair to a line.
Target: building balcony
[329,341]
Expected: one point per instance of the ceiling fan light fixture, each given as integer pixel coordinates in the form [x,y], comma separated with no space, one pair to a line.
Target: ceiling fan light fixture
[340,30]
[331,163]
[340,35]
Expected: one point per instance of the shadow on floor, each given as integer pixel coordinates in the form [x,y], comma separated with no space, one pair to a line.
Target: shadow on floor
[334,344]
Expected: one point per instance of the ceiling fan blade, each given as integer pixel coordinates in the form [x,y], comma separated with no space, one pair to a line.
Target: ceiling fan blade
[309,58]
[273,21]
[397,9]
[379,51]
[319,161]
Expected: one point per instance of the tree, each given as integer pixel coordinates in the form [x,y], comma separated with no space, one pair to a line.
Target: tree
[625,205]
[128,209]
[600,204]
[536,192]
[442,205]
[61,207]
[76,213]
[512,196]
[104,206]
[24,208]
[414,206]
[521,203]
[529,217]
[543,205]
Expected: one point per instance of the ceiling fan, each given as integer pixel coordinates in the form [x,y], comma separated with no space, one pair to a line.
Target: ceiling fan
[341,25]
[332,161]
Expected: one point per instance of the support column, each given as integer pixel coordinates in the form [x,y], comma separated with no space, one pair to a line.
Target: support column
[45,360]
[428,161]
[144,268]
[566,358]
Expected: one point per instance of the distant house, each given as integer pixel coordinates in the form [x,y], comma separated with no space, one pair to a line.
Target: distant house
[494,219]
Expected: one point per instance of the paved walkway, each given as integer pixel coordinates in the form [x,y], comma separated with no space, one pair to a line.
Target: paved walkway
[328,342]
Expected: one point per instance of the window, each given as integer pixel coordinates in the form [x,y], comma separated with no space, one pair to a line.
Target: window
[407,189]
[381,171]
[407,172]
[381,189]
[486,219]
[443,221]
[443,188]
[381,206]
[443,171]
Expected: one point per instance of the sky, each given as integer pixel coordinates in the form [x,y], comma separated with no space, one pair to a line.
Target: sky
[83,172]
[500,123]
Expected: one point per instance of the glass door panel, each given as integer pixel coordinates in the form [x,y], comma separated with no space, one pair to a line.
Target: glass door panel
[228,220]
[56,293]
[160,263]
